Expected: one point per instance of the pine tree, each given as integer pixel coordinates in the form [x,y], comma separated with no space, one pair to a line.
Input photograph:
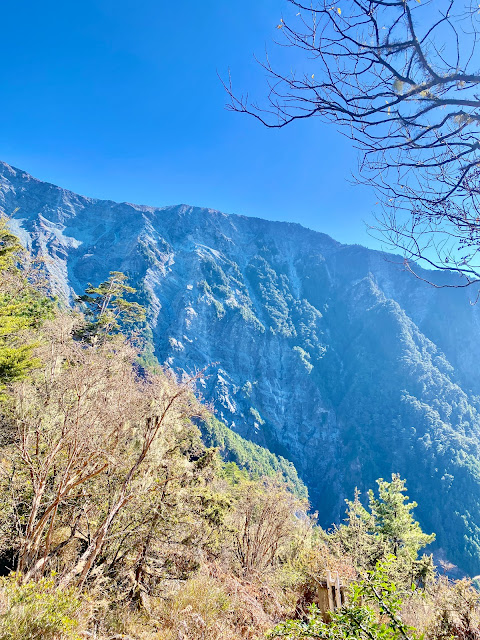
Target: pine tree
[394,520]
[358,537]
[107,310]
[385,528]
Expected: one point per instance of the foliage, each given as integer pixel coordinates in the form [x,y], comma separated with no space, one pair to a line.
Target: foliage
[256,460]
[96,447]
[393,519]
[304,357]
[200,609]
[106,486]
[372,613]
[22,308]
[263,522]
[386,528]
[107,309]
[456,610]
[399,401]
[38,610]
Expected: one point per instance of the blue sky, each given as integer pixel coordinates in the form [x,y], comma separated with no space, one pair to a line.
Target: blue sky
[121,100]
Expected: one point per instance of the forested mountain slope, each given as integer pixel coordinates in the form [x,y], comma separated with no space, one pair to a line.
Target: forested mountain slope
[328,354]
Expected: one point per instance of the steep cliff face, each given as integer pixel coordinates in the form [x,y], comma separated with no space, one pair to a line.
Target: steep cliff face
[328,354]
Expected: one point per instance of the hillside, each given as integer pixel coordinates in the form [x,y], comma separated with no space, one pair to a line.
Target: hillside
[329,355]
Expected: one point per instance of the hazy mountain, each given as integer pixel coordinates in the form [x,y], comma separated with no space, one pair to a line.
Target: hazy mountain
[328,354]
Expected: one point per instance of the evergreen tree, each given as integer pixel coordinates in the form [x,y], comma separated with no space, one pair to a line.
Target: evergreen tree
[22,307]
[385,528]
[394,520]
[357,536]
[107,310]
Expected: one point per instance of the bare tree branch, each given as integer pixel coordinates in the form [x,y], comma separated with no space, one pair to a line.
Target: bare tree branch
[400,78]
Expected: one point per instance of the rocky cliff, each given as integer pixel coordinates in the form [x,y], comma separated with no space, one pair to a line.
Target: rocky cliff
[330,355]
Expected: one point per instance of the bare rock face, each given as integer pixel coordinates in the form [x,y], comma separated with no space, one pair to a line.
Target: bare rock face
[328,354]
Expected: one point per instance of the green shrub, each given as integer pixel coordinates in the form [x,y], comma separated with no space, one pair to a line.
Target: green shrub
[372,612]
[38,610]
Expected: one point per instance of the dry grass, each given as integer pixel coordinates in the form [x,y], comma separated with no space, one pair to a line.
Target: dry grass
[445,610]
[216,605]
[212,605]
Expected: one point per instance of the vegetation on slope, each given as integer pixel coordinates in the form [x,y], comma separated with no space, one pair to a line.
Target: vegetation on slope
[417,413]
[258,461]
[377,396]
[330,356]
[22,308]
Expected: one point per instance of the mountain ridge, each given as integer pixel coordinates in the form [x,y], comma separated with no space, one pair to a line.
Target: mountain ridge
[152,208]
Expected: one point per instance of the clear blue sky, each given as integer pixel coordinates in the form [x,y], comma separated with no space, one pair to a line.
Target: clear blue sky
[121,100]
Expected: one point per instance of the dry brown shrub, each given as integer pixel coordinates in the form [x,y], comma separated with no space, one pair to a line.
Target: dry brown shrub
[216,605]
[445,610]
[263,524]
[94,441]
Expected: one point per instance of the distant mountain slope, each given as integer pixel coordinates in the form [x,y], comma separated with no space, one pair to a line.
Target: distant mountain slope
[329,355]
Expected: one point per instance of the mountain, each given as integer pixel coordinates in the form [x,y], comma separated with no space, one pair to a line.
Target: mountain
[329,355]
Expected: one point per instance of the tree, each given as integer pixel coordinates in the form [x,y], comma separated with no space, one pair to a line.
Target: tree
[357,537]
[262,522]
[95,444]
[106,308]
[22,308]
[393,518]
[401,79]
[385,529]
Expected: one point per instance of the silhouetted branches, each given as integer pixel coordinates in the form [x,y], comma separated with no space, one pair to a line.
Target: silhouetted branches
[400,78]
